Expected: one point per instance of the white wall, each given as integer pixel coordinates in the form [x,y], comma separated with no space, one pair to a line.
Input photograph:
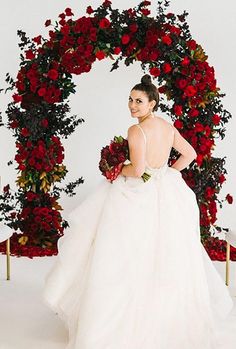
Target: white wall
[101,97]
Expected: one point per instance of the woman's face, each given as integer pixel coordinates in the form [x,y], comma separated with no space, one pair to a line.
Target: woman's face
[139,104]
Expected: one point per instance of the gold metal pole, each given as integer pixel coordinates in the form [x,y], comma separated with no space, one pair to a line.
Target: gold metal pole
[8,258]
[227,263]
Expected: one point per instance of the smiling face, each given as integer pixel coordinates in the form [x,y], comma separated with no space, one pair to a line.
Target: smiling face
[139,104]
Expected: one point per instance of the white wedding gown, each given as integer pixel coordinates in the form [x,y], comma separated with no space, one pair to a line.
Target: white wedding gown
[131,272]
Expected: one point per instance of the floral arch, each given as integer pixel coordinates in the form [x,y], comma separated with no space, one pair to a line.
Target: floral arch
[38,114]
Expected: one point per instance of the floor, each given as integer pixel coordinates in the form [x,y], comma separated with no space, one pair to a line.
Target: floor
[25,321]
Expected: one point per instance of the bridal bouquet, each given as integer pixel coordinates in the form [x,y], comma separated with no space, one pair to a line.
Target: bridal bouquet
[113,157]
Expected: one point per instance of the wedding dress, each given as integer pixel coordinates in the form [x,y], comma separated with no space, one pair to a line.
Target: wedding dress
[131,272]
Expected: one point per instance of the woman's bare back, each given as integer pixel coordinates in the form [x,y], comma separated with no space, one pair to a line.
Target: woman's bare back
[159,141]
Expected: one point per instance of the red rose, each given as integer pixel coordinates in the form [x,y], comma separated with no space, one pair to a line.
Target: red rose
[125,39]
[37,39]
[62,15]
[100,55]
[154,55]
[146,3]
[198,127]
[53,74]
[104,23]
[185,61]
[17,98]
[193,112]
[175,30]
[14,124]
[117,50]
[221,178]
[166,39]
[192,45]
[190,91]
[47,23]
[42,91]
[155,71]
[162,89]
[6,188]
[133,27]
[199,159]
[216,119]
[178,124]
[29,54]
[106,3]
[89,10]
[178,110]
[44,123]
[68,12]
[22,167]
[25,132]
[229,198]
[31,196]
[166,68]
[181,83]
[209,192]
[145,11]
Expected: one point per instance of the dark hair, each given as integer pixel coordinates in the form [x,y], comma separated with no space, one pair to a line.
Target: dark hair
[149,88]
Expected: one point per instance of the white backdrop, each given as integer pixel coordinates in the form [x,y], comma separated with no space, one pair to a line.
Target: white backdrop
[101,97]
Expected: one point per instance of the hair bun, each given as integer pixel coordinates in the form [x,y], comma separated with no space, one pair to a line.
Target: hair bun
[146,80]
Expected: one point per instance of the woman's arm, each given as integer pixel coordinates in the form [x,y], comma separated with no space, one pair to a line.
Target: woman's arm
[188,154]
[137,154]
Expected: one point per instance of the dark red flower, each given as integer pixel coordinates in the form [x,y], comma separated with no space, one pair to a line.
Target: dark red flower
[14,124]
[190,91]
[192,45]
[17,98]
[185,61]
[53,74]
[100,55]
[42,91]
[178,110]
[47,23]
[193,112]
[133,27]
[166,68]
[6,188]
[146,3]
[117,50]
[178,124]
[29,54]
[37,39]
[162,89]
[145,11]
[25,132]
[221,179]
[155,71]
[229,198]
[89,10]
[106,3]
[166,39]
[44,123]
[125,39]
[104,23]
[199,159]
[198,127]
[216,119]
[68,12]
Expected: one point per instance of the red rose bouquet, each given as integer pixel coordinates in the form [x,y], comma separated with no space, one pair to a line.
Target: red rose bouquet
[113,157]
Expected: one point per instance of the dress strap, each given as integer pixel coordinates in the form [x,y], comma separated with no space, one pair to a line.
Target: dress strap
[145,138]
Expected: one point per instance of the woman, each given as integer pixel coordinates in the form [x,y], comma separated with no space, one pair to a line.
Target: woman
[131,272]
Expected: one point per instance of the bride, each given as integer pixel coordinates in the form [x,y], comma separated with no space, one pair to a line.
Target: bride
[131,272]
